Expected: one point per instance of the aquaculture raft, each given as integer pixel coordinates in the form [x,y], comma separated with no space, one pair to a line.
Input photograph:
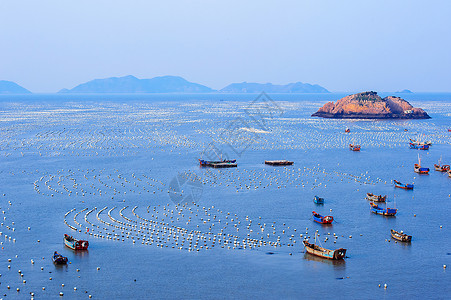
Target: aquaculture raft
[75,244]
[218,163]
[278,162]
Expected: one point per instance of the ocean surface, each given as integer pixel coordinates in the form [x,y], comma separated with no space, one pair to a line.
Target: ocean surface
[122,172]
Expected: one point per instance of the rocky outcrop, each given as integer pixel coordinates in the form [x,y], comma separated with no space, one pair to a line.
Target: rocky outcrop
[369,105]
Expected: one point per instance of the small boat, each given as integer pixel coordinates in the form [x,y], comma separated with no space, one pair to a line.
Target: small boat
[354,147]
[416,146]
[278,162]
[441,168]
[405,186]
[429,143]
[322,219]
[218,164]
[323,252]
[375,198]
[59,259]
[382,211]
[318,200]
[418,169]
[449,173]
[75,244]
[400,236]
[347,130]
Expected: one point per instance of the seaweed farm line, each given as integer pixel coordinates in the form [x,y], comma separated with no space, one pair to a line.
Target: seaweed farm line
[123,173]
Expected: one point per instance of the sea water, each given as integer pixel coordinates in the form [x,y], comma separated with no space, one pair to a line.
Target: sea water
[129,163]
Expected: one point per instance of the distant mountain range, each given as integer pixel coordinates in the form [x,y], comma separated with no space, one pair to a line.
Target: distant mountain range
[297,87]
[168,84]
[131,84]
[9,87]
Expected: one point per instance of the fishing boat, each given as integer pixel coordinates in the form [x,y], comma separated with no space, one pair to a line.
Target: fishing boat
[416,146]
[322,219]
[449,173]
[318,200]
[354,147]
[218,163]
[75,244]
[375,198]
[59,259]
[429,143]
[382,211]
[347,130]
[278,162]
[441,168]
[400,236]
[405,186]
[317,250]
[418,169]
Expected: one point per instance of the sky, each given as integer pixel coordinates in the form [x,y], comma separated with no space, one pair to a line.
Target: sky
[344,46]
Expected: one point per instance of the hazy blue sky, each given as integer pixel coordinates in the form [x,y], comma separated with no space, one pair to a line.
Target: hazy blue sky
[341,45]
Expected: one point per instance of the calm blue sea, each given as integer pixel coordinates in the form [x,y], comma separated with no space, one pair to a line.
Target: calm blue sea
[123,170]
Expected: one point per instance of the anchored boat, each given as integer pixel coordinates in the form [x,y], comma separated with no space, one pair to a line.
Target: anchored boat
[418,169]
[278,162]
[323,252]
[318,200]
[417,146]
[322,219]
[75,244]
[59,259]
[405,186]
[375,198]
[354,147]
[382,211]
[441,168]
[400,236]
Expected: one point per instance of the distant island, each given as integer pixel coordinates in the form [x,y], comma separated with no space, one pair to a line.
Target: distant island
[297,87]
[131,84]
[369,105]
[9,87]
[404,92]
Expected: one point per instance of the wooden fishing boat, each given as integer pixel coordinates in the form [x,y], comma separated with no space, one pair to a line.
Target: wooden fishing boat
[347,130]
[354,147]
[318,200]
[416,146]
[405,186]
[278,162]
[382,211]
[322,219]
[400,236]
[59,259]
[418,169]
[323,252]
[218,163]
[375,198]
[75,244]
[441,168]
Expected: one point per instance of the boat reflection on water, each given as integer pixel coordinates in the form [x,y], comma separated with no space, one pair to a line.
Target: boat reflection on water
[81,254]
[335,262]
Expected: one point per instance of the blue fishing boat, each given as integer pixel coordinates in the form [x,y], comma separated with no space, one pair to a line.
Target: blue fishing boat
[418,146]
[322,219]
[318,200]
[74,243]
[405,186]
[382,211]
[59,259]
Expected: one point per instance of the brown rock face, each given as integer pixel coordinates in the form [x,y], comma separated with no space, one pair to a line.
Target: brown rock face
[369,105]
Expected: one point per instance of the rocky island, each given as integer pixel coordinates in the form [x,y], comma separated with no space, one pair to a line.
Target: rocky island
[369,105]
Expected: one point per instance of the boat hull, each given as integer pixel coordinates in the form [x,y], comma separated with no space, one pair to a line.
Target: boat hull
[322,219]
[75,244]
[383,211]
[403,186]
[323,252]
[278,162]
[400,236]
